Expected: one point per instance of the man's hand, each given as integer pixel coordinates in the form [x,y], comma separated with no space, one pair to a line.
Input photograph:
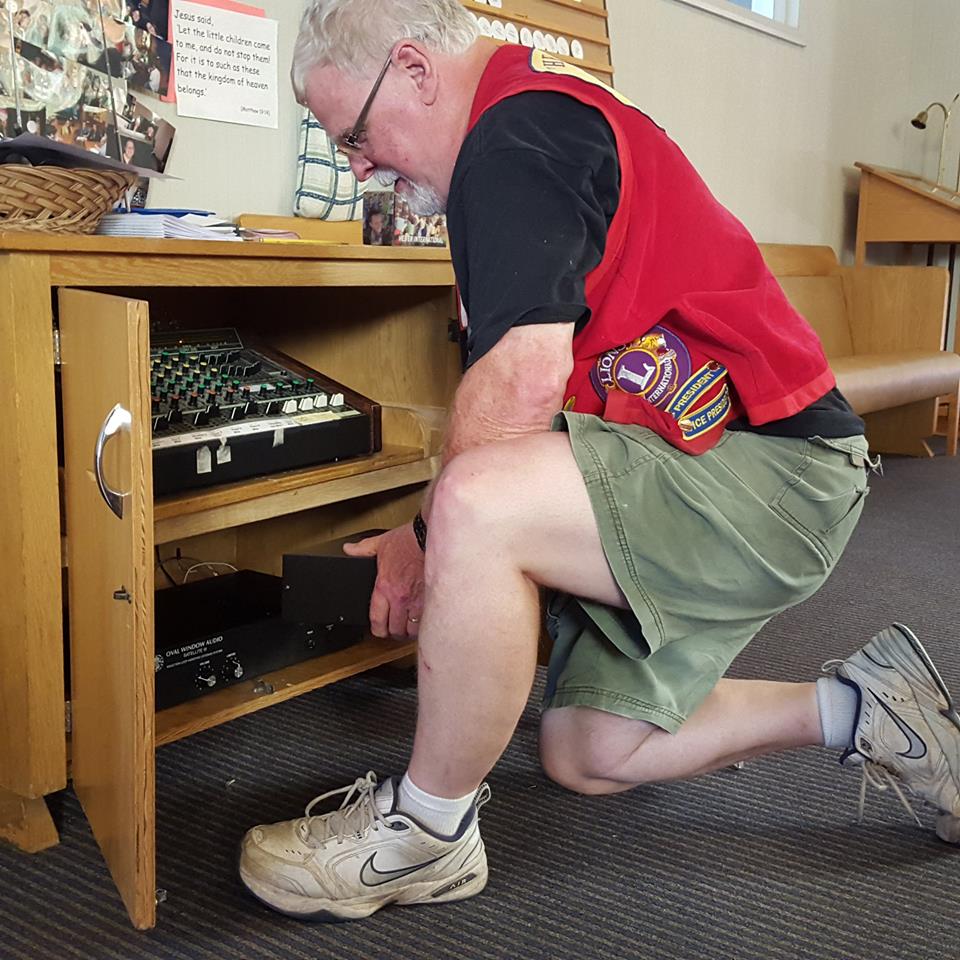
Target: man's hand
[397,602]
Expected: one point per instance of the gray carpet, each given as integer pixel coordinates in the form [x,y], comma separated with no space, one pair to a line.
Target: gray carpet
[766,862]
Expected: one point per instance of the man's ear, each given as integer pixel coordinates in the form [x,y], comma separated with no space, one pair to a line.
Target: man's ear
[419,68]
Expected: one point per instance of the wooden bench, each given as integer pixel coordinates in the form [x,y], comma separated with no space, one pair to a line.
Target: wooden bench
[882,329]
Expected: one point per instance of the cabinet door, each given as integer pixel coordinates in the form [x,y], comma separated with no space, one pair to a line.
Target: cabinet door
[109,508]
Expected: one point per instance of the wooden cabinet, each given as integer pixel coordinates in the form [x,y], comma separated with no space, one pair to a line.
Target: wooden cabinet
[373,318]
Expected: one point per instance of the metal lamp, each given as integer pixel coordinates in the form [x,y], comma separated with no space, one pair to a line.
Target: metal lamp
[920,122]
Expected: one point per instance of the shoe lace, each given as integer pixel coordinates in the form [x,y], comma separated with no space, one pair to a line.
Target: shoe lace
[356,815]
[483,795]
[880,778]
[874,774]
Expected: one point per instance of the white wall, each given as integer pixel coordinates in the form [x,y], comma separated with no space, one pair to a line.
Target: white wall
[773,128]
[231,168]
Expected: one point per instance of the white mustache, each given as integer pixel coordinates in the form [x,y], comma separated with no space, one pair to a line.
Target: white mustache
[422,200]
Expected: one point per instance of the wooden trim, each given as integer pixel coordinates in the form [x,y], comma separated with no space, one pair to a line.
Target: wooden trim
[583,7]
[238,701]
[528,20]
[32,737]
[799,260]
[282,250]
[137,271]
[200,501]
[26,823]
[604,68]
[111,586]
[180,526]
[936,192]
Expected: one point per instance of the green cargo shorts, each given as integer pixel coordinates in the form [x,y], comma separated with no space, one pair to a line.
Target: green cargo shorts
[705,549]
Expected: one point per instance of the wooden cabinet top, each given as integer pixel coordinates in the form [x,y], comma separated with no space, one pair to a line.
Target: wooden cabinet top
[76,260]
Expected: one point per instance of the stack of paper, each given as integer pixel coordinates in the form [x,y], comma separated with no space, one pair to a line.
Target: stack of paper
[158,224]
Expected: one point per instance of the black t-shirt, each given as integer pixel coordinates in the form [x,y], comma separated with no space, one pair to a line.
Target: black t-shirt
[533,192]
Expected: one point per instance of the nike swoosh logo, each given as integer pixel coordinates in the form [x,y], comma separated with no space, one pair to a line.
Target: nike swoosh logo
[370,876]
[917,748]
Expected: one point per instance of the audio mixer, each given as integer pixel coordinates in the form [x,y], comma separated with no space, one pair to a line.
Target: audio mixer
[222,410]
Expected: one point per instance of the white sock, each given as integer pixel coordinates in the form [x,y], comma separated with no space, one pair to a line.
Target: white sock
[837,703]
[438,814]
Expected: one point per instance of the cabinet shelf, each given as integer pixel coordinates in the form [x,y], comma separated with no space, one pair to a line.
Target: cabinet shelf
[233,505]
[188,718]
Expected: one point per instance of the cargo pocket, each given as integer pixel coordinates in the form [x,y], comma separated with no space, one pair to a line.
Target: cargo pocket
[823,501]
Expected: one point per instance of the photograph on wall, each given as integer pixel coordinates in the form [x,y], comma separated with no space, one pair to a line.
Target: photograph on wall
[13,124]
[122,38]
[76,32]
[146,63]
[150,135]
[31,22]
[153,16]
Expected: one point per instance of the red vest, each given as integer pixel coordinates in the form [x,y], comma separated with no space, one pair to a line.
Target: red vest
[688,327]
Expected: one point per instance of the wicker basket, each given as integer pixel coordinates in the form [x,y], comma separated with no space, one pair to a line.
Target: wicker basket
[58,199]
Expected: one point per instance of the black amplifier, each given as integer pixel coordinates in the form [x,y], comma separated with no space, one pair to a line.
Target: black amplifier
[324,585]
[227,630]
[222,410]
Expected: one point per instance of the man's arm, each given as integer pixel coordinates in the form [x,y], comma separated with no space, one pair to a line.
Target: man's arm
[514,389]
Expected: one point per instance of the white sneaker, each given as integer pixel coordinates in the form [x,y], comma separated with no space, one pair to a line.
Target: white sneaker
[349,863]
[907,728]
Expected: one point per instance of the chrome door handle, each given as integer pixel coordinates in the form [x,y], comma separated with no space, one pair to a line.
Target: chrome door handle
[117,419]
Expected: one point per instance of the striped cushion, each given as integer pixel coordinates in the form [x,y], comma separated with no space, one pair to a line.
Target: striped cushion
[326,187]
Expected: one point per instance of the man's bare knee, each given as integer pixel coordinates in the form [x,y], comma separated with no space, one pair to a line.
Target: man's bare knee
[470,497]
[585,750]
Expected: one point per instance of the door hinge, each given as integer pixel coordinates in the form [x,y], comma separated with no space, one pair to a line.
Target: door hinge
[56,347]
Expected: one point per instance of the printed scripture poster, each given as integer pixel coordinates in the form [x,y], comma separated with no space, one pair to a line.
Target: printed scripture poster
[225,64]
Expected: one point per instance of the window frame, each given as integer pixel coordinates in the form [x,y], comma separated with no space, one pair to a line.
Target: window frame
[786,29]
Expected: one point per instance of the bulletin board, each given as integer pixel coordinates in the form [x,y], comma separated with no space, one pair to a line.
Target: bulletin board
[573,30]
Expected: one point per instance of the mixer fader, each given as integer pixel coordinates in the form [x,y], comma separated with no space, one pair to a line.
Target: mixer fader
[222,410]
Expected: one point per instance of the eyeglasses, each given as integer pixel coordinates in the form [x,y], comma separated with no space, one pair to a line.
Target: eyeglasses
[353,140]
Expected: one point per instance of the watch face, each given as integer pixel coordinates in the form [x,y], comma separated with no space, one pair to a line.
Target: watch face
[526,36]
[551,42]
[513,34]
[484,24]
[539,41]
[576,48]
[499,32]
[563,46]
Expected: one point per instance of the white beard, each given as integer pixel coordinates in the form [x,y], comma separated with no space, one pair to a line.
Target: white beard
[422,201]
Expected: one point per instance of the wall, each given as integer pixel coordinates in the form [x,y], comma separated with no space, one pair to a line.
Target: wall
[774,128]
[231,168]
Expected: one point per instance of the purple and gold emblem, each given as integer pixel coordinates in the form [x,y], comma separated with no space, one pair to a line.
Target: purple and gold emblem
[652,367]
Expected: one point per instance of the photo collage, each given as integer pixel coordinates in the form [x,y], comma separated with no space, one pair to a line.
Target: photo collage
[71,70]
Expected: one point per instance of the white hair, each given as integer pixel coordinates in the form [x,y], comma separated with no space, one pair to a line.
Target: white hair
[352,34]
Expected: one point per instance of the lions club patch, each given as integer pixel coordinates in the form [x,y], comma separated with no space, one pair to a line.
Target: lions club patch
[653,366]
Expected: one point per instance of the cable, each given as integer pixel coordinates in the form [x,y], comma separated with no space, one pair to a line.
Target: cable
[209,563]
[166,572]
